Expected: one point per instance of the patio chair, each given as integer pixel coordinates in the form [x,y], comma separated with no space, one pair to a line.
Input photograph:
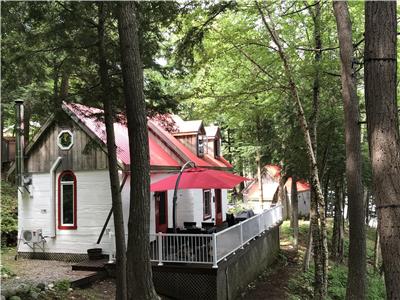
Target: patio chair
[207,224]
[189,225]
[194,230]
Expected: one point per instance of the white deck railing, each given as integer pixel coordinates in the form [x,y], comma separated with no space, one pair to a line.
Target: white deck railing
[209,248]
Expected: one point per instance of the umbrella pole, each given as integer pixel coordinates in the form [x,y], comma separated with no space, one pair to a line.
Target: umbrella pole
[175,197]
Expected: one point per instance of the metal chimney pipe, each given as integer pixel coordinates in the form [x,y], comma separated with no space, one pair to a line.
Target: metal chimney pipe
[19,132]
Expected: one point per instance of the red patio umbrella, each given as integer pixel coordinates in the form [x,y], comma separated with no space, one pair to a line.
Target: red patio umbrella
[195,178]
[199,178]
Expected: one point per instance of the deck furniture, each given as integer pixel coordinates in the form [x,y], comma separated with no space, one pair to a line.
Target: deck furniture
[195,246]
[188,225]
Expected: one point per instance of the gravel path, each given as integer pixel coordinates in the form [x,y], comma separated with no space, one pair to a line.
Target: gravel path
[33,271]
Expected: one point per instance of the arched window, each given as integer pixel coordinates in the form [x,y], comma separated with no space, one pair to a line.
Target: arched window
[67,200]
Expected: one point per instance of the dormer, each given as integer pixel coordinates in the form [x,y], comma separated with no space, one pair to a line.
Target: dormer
[214,140]
[192,134]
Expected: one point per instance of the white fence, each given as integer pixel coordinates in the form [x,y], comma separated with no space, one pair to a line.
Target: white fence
[209,248]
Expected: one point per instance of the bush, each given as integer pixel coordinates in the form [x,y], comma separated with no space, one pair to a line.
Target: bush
[301,286]
[376,287]
[62,285]
[9,214]
[337,281]
[6,272]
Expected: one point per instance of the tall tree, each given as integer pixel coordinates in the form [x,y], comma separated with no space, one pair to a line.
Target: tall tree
[121,283]
[320,290]
[380,59]
[338,230]
[139,273]
[295,213]
[356,279]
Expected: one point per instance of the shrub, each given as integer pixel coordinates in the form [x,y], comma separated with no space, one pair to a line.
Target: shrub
[6,272]
[9,214]
[376,287]
[62,285]
[337,281]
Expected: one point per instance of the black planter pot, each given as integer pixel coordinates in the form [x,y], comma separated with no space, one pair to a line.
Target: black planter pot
[95,253]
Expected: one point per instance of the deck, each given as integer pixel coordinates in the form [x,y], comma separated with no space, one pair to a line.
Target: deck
[90,265]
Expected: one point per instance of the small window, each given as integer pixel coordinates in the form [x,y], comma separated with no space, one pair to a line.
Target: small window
[206,204]
[217,147]
[67,200]
[201,145]
[65,140]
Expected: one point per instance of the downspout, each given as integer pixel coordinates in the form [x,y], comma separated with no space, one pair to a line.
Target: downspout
[53,197]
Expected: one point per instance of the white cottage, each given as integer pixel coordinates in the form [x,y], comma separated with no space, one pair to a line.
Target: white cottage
[270,181]
[66,191]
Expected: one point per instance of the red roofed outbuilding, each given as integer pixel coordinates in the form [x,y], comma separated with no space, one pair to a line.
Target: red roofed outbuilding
[270,182]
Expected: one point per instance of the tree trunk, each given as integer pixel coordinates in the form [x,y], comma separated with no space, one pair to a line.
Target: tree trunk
[139,273]
[295,213]
[259,177]
[27,121]
[56,98]
[121,283]
[383,132]
[64,86]
[366,201]
[282,196]
[307,254]
[376,251]
[337,234]
[320,243]
[356,279]
[326,194]
[3,156]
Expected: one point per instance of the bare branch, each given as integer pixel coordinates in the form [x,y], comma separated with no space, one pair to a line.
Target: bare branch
[300,10]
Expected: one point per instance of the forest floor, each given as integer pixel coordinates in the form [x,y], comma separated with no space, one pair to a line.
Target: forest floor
[274,282]
[286,280]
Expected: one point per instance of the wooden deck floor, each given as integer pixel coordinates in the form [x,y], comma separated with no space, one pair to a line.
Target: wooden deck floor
[90,265]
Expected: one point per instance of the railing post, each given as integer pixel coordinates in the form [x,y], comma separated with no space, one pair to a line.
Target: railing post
[215,259]
[259,224]
[160,247]
[241,235]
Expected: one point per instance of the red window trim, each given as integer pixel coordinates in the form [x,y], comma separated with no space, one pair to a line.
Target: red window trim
[206,216]
[75,225]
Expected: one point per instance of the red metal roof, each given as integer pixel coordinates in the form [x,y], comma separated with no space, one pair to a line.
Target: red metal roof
[275,172]
[301,185]
[91,117]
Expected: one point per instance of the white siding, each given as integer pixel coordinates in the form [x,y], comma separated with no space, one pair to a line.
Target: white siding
[93,206]
[224,204]
[304,203]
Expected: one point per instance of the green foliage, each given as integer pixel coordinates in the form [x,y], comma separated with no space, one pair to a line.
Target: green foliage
[301,285]
[62,285]
[237,208]
[6,271]
[376,286]
[49,45]
[337,280]
[9,211]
